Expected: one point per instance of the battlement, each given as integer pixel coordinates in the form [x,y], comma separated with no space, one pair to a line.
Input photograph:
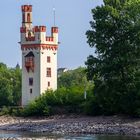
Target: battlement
[40,28]
[54,30]
[49,38]
[35,34]
[26,8]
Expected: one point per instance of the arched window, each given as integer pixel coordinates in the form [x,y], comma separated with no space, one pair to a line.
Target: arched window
[29,34]
[28,17]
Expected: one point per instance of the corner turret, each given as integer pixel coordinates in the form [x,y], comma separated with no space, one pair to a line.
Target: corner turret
[54,32]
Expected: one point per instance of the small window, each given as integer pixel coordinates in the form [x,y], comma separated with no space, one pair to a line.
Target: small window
[28,17]
[48,72]
[48,59]
[48,84]
[31,90]
[30,81]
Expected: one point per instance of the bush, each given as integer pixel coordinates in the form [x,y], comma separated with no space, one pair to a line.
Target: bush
[14,111]
[4,111]
[61,101]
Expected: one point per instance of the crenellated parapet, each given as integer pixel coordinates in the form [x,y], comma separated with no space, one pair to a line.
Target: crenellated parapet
[35,35]
[48,38]
[40,29]
[26,8]
[54,30]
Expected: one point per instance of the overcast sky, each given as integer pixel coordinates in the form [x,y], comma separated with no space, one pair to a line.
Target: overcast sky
[72,18]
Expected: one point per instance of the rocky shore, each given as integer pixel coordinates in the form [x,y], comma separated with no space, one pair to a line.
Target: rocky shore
[119,125]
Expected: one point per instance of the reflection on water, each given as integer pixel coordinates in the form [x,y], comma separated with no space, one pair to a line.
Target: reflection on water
[46,136]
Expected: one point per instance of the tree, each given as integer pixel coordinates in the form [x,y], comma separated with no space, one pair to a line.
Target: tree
[5,86]
[10,85]
[74,78]
[115,35]
[16,85]
[68,98]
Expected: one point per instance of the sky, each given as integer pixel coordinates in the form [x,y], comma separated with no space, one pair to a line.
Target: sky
[72,18]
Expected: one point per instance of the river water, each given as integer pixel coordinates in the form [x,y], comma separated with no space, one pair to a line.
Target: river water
[45,136]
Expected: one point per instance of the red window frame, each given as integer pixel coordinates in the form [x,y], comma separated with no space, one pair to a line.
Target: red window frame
[48,72]
[48,59]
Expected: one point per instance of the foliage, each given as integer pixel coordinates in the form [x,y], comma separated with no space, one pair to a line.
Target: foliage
[76,77]
[75,80]
[54,102]
[115,35]
[11,110]
[10,86]
[68,98]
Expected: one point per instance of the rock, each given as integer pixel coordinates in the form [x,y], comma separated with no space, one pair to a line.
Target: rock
[64,125]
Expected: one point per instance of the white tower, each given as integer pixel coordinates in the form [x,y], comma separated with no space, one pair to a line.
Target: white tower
[39,57]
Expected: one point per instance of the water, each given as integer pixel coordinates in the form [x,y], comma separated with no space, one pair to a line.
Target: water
[45,136]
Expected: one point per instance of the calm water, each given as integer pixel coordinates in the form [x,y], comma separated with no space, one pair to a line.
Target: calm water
[7,134]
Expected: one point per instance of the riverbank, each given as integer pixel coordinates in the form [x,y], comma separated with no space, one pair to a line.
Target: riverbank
[118,125]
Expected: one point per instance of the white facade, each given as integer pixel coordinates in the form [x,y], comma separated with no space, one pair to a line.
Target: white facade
[39,58]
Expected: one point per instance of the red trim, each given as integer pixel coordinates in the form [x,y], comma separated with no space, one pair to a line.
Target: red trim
[39,46]
[23,29]
[49,38]
[54,29]
[26,8]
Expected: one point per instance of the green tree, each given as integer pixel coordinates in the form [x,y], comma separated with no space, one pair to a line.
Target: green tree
[68,98]
[10,86]
[16,85]
[115,35]
[74,78]
[6,97]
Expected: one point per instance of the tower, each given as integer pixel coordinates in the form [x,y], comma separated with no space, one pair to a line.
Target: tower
[39,57]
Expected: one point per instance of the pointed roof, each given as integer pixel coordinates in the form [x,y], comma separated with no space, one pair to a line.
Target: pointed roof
[30,54]
[17,66]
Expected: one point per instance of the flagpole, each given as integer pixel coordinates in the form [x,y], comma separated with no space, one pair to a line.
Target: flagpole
[54,15]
